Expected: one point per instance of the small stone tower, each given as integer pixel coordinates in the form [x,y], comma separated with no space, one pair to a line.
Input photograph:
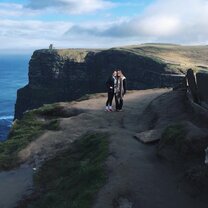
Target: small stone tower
[51,47]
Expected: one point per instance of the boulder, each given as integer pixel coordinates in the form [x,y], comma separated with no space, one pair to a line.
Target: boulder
[149,136]
[202,83]
[192,86]
[184,140]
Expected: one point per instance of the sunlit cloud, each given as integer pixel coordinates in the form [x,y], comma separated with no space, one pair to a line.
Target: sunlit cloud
[168,21]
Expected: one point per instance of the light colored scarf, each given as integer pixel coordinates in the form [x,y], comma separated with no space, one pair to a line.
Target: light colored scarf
[119,89]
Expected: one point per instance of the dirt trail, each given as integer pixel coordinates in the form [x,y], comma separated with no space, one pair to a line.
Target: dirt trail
[136,176]
[14,184]
[90,116]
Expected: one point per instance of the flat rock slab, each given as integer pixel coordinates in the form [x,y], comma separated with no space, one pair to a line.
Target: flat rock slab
[149,136]
[123,203]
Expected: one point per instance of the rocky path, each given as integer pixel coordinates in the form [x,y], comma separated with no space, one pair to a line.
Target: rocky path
[137,178]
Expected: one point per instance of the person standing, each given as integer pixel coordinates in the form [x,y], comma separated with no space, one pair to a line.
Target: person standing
[111,82]
[120,90]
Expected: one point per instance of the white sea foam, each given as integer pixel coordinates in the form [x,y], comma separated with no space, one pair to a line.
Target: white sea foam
[6,117]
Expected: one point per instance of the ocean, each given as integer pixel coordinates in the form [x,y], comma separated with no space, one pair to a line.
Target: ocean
[13,75]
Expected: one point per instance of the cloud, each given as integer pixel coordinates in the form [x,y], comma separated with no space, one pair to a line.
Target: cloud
[180,21]
[14,10]
[5,9]
[173,21]
[147,29]
[30,34]
[160,25]
[189,20]
[70,6]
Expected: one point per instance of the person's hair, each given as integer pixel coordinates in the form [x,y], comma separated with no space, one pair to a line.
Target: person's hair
[114,72]
[120,73]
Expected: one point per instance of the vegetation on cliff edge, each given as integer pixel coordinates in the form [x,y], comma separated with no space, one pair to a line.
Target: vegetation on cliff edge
[24,131]
[72,178]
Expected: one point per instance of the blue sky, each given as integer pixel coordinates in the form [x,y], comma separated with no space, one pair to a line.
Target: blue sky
[26,25]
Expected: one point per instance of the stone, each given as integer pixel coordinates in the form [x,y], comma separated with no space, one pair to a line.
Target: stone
[202,83]
[192,86]
[123,202]
[149,136]
[186,141]
[206,156]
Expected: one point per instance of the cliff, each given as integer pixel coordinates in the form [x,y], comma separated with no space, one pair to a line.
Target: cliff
[65,75]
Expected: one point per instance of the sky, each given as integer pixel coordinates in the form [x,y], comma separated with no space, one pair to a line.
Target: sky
[27,25]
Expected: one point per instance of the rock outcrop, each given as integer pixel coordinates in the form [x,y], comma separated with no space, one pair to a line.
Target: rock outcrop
[202,82]
[197,87]
[192,85]
[65,75]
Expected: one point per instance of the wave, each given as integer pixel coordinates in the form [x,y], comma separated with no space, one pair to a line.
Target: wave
[6,117]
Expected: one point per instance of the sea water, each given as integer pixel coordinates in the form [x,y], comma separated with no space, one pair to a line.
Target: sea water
[13,75]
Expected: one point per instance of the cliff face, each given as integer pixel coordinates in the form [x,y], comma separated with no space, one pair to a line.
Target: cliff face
[65,75]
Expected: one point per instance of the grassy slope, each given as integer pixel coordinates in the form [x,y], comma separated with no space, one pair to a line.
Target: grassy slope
[177,57]
[26,130]
[72,178]
[173,136]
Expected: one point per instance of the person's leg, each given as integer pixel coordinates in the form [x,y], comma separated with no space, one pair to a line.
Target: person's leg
[117,102]
[121,104]
[108,101]
[111,100]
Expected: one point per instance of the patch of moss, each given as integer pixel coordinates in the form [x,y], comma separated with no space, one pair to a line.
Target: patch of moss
[84,97]
[22,133]
[50,111]
[73,178]
[47,108]
[174,135]
[52,125]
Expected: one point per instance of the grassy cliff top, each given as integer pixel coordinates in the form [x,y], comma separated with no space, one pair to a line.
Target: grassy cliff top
[78,55]
[175,56]
[183,57]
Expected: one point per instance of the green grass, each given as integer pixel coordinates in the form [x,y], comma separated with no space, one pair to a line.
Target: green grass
[22,133]
[50,111]
[178,58]
[73,178]
[84,97]
[90,96]
[174,136]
